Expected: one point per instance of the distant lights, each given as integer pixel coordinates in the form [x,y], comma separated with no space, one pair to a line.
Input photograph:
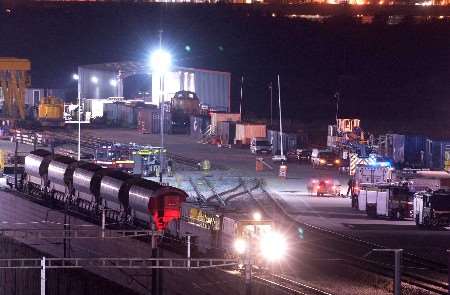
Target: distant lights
[240,246]
[257,216]
[160,61]
[75,77]
[94,79]
[187,48]
[113,82]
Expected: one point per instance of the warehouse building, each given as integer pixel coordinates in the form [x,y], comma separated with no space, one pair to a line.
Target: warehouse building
[107,80]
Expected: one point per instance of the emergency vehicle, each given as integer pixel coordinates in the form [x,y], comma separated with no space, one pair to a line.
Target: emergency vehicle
[386,200]
[432,208]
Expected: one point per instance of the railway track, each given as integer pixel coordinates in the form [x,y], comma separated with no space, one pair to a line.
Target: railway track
[289,286]
[383,268]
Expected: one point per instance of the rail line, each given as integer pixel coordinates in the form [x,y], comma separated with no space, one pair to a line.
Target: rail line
[384,269]
[289,286]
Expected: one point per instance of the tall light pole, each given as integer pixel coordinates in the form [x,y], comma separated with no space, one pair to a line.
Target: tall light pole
[281,124]
[337,96]
[76,77]
[160,62]
[271,103]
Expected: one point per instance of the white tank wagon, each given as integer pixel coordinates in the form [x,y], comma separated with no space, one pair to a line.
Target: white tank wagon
[60,175]
[36,170]
[114,188]
[89,187]
[86,182]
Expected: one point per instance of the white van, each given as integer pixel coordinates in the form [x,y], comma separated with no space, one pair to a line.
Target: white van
[260,145]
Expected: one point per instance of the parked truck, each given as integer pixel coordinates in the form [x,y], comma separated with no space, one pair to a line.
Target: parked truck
[386,200]
[432,208]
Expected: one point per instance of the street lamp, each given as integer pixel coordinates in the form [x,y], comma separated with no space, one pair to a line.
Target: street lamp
[76,77]
[273,246]
[257,216]
[113,82]
[160,63]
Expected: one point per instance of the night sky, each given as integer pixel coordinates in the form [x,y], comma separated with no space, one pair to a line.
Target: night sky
[395,78]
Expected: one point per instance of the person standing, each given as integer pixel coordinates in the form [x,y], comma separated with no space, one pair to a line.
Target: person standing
[170,168]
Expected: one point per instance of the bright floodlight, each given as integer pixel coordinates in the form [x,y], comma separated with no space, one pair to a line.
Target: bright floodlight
[273,246]
[257,216]
[75,77]
[94,79]
[160,61]
[240,246]
[113,82]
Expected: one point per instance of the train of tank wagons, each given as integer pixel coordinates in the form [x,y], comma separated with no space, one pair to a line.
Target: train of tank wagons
[128,199]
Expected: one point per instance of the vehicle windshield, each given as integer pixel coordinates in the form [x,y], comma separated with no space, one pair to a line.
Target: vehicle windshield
[262,143]
[327,156]
[440,202]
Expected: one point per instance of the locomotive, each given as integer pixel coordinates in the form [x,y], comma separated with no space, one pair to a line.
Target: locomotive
[91,188]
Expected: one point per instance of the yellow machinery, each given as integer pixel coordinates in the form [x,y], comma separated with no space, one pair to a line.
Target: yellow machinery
[14,78]
[51,111]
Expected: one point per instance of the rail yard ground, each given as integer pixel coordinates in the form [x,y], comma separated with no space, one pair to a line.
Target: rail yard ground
[315,259]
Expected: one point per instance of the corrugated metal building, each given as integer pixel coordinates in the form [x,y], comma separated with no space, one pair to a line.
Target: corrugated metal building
[33,95]
[106,80]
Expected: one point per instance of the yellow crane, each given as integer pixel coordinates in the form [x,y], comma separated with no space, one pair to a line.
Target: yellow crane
[14,78]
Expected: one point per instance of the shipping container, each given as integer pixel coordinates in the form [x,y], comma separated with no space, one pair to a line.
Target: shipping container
[111,113]
[95,107]
[246,131]
[440,155]
[392,146]
[221,117]
[198,126]
[126,116]
[415,151]
[289,141]
[149,121]
[226,131]
[332,130]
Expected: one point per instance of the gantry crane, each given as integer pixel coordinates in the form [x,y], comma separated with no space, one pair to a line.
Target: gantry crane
[14,78]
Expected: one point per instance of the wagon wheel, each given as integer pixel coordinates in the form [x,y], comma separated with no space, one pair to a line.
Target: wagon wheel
[434,222]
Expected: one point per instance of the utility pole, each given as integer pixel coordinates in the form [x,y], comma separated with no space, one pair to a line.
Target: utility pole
[271,103]
[16,152]
[188,250]
[281,124]
[242,93]
[248,273]
[161,106]
[397,269]
[43,276]
[337,96]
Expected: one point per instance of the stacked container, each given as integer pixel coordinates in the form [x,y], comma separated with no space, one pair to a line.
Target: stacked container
[246,131]
[111,113]
[148,121]
[415,151]
[394,148]
[221,117]
[226,131]
[126,115]
[289,141]
[440,155]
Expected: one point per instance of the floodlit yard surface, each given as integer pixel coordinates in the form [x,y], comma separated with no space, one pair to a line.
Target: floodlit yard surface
[307,264]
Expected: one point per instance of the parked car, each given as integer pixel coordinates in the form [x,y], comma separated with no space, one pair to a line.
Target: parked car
[324,187]
[326,159]
[260,145]
[304,155]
